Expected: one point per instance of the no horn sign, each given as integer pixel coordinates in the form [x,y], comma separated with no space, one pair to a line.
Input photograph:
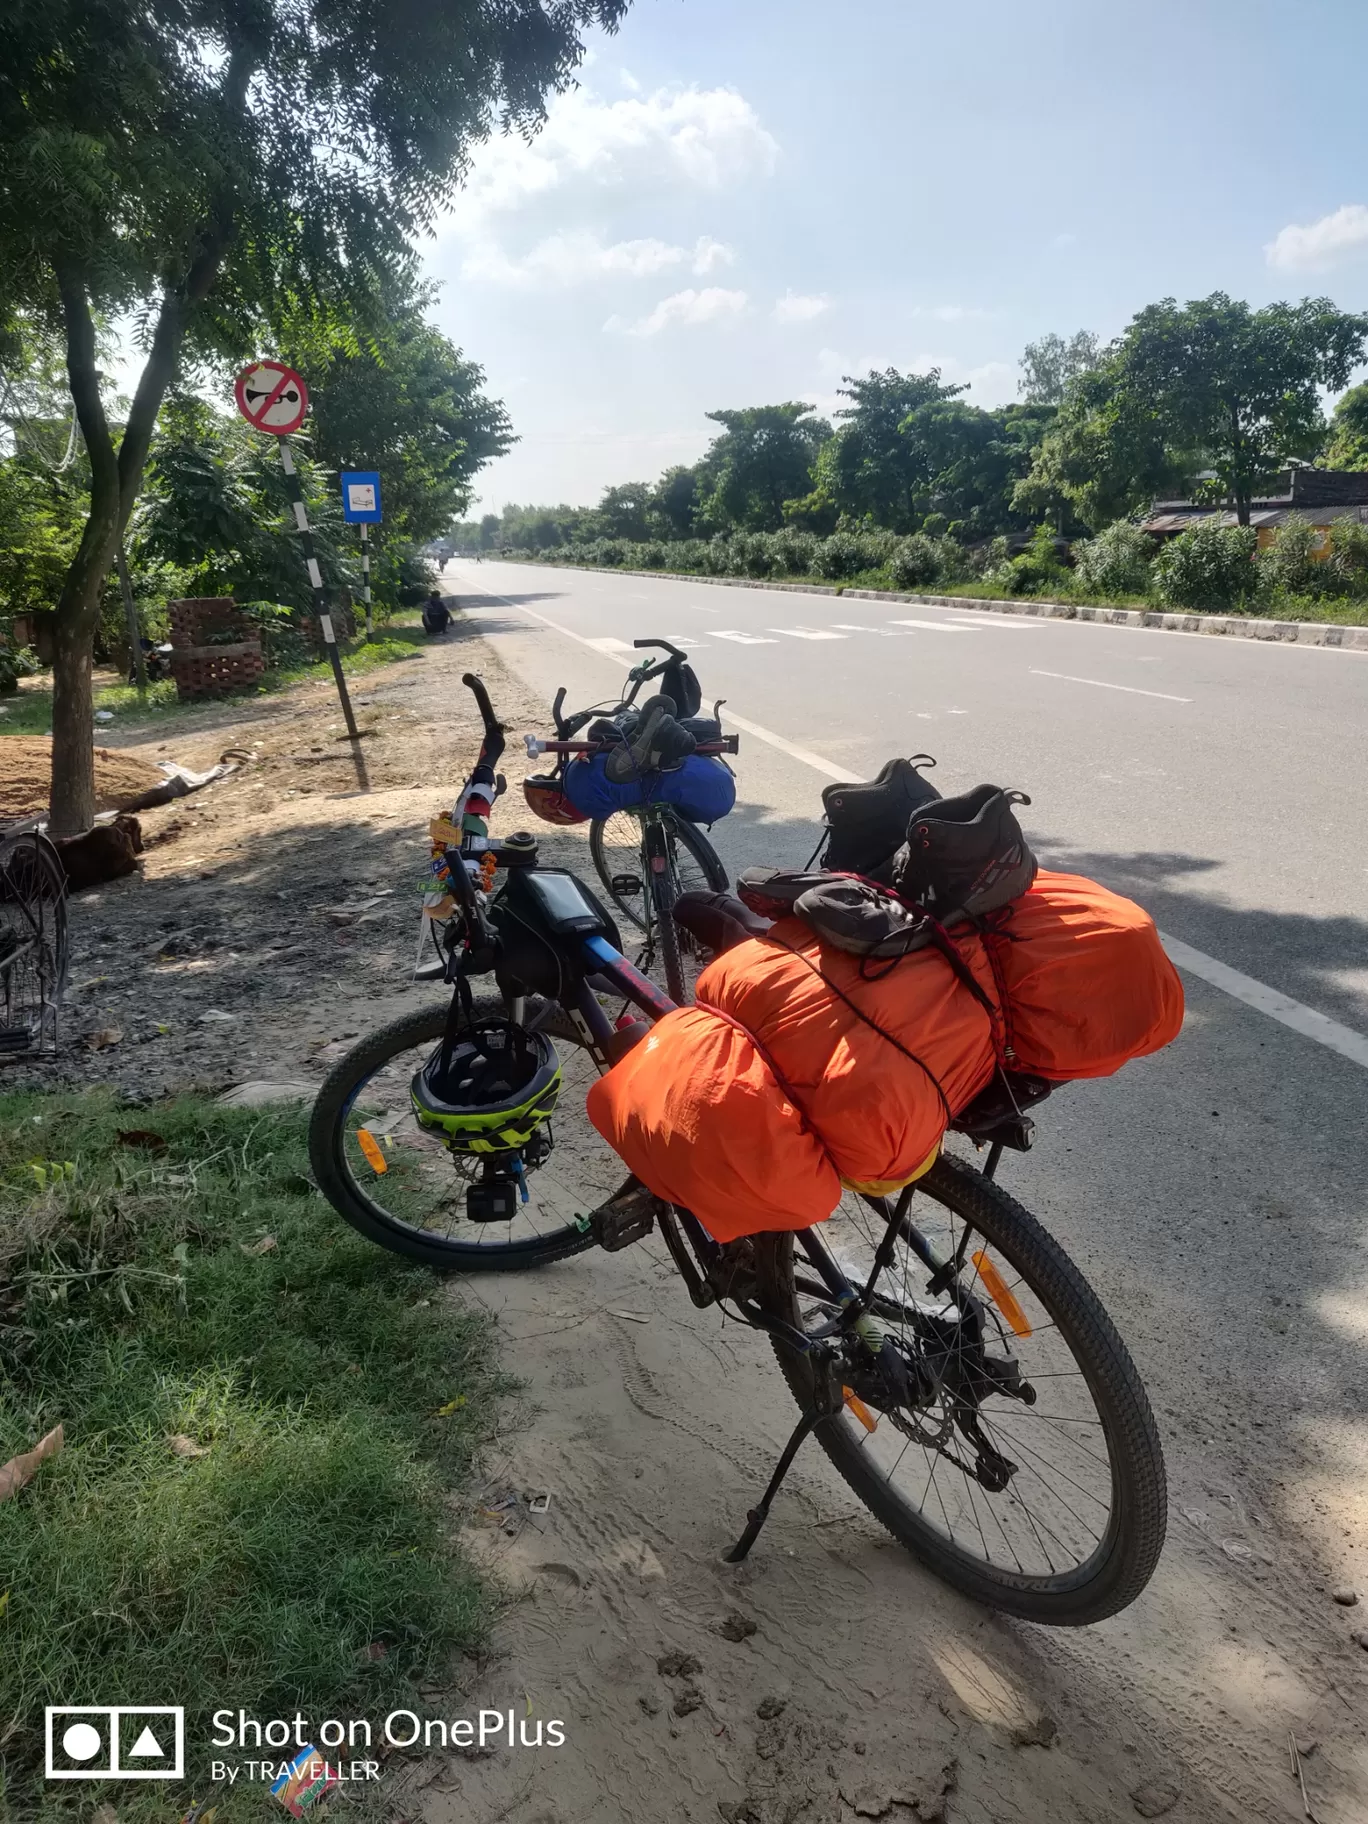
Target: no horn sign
[271,397]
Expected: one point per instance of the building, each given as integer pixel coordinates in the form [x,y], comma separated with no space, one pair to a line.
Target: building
[1317,497]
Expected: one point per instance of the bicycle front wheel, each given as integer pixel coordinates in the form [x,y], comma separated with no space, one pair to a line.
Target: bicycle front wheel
[33,942]
[397,1183]
[1048,1503]
[618,847]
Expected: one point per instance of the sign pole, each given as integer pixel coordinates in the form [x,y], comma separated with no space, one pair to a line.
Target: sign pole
[365,578]
[301,516]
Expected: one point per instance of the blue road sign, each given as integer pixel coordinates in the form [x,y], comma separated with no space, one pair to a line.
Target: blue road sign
[361,496]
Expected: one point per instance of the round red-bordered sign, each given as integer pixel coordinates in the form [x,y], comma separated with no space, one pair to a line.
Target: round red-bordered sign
[271,397]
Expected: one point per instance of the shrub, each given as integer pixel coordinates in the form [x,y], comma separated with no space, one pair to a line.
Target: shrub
[751,554]
[654,556]
[1116,562]
[1288,566]
[1040,568]
[916,562]
[793,550]
[839,556]
[717,556]
[1346,568]
[1210,567]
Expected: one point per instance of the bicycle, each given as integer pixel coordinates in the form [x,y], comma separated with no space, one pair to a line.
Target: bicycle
[903,1325]
[33,940]
[648,854]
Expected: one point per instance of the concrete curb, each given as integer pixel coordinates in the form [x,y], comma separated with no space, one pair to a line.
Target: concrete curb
[1232,626]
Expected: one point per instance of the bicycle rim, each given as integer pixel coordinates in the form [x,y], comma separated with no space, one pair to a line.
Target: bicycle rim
[33,942]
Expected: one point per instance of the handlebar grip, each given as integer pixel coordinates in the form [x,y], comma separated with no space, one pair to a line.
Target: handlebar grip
[556,712]
[673,651]
[475,685]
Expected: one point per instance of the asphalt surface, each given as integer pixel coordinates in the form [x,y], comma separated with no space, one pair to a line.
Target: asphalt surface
[1215,1195]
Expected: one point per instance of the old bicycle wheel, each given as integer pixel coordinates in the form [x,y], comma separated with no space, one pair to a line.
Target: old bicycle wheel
[33,941]
[1049,1504]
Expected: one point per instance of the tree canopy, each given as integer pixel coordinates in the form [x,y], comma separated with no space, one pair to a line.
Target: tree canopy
[1047,366]
[215,167]
[763,458]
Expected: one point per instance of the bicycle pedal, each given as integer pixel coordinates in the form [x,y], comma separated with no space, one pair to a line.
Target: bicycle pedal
[626,885]
[628,1217]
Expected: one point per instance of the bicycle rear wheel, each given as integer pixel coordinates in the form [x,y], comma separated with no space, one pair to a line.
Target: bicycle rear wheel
[1074,1528]
[399,1186]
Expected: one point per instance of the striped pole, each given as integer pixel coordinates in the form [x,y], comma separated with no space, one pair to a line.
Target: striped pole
[301,519]
[365,578]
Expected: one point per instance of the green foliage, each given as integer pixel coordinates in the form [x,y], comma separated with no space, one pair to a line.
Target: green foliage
[1039,570]
[310,1518]
[1348,445]
[675,503]
[1290,565]
[1047,366]
[1347,561]
[878,469]
[1115,563]
[1106,454]
[625,512]
[916,563]
[763,458]
[1210,567]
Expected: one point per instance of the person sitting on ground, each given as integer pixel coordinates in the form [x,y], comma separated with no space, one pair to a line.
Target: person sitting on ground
[436,614]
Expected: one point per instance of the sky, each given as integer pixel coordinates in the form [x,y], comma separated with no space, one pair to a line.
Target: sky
[745,200]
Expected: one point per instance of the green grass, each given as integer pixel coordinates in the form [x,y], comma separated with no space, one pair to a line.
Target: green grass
[312,1376]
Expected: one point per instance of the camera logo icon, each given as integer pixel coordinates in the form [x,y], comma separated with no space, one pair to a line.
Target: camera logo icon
[115,1742]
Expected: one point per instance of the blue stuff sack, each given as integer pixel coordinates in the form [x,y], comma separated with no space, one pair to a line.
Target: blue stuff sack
[702,789]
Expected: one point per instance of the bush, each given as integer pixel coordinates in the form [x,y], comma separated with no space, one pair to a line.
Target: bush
[839,556]
[717,556]
[1208,567]
[1288,566]
[1040,569]
[793,551]
[751,554]
[1346,567]
[1116,562]
[916,562]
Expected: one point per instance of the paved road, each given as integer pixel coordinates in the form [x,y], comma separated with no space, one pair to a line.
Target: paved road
[1215,1194]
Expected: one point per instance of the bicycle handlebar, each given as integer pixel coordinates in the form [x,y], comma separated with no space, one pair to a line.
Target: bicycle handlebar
[493,744]
[665,646]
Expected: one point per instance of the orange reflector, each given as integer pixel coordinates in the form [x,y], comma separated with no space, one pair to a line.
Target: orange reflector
[1001,1296]
[370,1146]
[858,1407]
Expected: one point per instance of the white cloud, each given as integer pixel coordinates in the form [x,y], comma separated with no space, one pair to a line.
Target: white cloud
[710,254]
[711,305]
[701,138]
[1319,244]
[793,307]
[569,259]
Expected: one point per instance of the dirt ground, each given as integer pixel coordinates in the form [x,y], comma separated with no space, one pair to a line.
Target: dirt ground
[26,774]
[828,1679]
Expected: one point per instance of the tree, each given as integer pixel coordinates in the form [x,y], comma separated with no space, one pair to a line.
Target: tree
[875,470]
[207,165]
[763,458]
[1047,366]
[405,401]
[625,512]
[674,503]
[1107,453]
[1348,446]
[1240,386]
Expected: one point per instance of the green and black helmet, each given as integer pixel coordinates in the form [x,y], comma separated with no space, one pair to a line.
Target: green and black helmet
[490,1091]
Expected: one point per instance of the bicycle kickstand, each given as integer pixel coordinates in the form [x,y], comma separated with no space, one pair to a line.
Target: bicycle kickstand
[758,1515]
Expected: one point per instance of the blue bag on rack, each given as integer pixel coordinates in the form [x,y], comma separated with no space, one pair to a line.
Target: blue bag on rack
[701,789]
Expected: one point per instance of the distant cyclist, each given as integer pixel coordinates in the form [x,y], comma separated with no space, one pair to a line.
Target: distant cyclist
[436,614]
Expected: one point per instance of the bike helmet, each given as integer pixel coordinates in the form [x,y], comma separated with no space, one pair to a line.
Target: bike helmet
[490,1091]
[545,795]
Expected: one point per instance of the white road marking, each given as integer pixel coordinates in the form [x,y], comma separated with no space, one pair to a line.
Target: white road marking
[942,626]
[1280,1007]
[853,627]
[1101,684]
[1258,995]
[808,633]
[1018,623]
[610,645]
[744,639]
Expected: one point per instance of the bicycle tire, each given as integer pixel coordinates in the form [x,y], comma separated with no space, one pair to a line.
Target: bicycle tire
[334,1177]
[689,837]
[33,922]
[1127,1557]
